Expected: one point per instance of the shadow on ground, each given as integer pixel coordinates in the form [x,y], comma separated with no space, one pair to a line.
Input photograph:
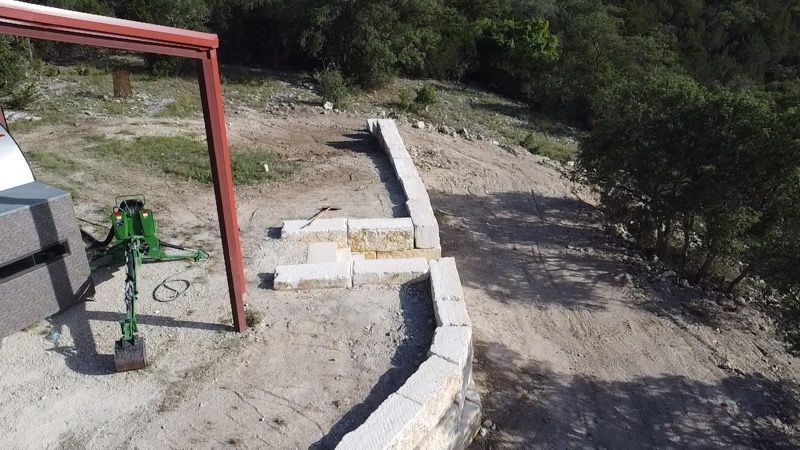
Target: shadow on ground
[533,251]
[364,142]
[416,306]
[536,407]
[534,241]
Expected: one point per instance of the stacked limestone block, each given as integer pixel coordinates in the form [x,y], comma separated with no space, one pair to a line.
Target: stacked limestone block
[438,406]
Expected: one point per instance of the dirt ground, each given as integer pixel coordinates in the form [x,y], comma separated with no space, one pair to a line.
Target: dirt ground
[567,356]
[313,369]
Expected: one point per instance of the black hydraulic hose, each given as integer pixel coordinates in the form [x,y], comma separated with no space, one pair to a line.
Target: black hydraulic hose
[175,246]
[94,243]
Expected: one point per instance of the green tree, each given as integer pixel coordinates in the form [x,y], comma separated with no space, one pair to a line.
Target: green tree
[375,40]
[190,14]
[641,151]
[17,77]
[595,54]
[512,52]
[668,154]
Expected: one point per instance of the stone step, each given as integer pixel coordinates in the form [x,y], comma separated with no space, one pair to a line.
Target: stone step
[385,235]
[323,252]
[320,230]
[344,255]
[313,276]
[389,272]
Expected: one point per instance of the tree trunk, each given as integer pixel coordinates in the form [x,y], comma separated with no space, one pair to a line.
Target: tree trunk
[663,238]
[687,234]
[705,267]
[122,83]
[738,279]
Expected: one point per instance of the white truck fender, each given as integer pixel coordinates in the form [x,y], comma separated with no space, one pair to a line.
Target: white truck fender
[14,168]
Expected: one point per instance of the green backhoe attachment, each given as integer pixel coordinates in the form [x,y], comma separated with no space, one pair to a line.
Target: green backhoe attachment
[135,241]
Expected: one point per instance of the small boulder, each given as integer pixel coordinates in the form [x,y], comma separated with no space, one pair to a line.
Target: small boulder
[328,106]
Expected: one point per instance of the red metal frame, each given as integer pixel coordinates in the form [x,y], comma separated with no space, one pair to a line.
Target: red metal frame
[42,22]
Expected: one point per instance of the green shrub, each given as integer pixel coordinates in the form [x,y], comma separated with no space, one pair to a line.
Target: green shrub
[405,99]
[51,71]
[539,144]
[16,69]
[187,158]
[426,96]
[24,97]
[252,317]
[332,86]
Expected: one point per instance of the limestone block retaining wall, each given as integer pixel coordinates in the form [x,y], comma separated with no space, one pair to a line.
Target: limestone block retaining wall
[438,406]
[426,228]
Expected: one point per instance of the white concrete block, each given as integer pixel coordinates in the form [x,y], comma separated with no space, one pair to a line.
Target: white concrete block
[321,230]
[450,313]
[344,255]
[390,138]
[445,282]
[456,429]
[469,425]
[372,125]
[404,167]
[426,227]
[427,253]
[414,188]
[453,344]
[380,234]
[322,252]
[472,393]
[389,271]
[443,436]
[398,423]
[313,276]
[435,386]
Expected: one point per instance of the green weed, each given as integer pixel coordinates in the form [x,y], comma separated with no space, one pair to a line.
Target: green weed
[540,144]
[187,158]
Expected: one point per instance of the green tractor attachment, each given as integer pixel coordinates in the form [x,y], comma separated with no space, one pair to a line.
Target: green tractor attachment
[135,241]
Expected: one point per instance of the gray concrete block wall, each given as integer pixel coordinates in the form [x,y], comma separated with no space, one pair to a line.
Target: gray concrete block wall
[33,217]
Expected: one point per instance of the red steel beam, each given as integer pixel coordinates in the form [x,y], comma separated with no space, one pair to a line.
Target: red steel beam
[211,94]
[105,41]
[51,18]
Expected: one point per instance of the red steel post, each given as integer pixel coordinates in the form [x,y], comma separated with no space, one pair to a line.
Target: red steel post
[211,95]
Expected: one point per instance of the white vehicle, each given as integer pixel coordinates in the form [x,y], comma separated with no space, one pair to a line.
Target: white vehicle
[14,168]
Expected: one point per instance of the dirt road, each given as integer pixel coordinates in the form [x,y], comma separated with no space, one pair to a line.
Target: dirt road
[569,357]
